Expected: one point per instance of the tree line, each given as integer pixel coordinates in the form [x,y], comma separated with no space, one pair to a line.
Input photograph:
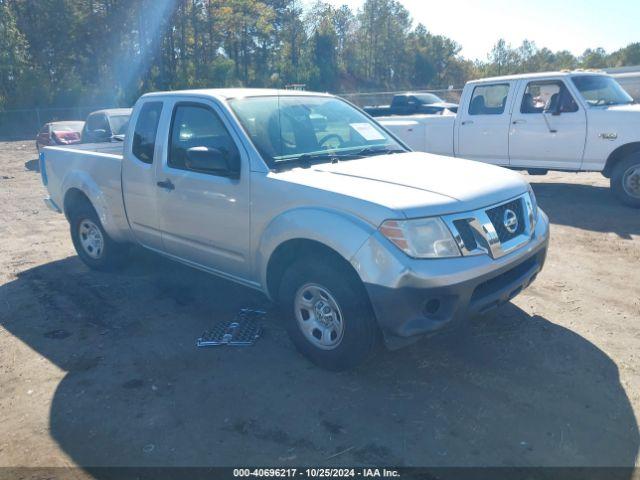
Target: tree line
[108,52]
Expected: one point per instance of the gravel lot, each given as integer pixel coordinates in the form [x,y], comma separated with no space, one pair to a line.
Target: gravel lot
[101,369]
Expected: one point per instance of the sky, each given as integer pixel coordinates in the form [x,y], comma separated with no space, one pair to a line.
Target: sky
[573,25]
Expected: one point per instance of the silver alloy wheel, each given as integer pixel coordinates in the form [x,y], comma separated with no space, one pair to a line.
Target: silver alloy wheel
[91,238]
[319,316]
[631,181]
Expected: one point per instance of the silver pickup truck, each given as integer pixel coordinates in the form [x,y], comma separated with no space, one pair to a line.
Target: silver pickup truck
[302,196]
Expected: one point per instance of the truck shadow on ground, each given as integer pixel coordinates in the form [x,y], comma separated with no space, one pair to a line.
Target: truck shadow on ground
[588,207]
[32,165]
[510,389]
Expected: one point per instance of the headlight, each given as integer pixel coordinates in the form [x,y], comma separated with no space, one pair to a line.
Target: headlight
[421,238]
[534,203]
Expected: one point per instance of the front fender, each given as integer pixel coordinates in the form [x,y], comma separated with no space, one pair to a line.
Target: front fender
[344,233]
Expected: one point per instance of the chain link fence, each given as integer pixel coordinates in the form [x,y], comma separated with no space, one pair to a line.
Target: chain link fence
[25,123]
[384,98]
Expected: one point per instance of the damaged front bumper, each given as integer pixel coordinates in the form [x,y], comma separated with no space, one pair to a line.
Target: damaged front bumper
[413,297]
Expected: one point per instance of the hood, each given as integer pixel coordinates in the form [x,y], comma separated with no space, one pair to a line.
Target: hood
[443,104]
[415,184]
[629,108]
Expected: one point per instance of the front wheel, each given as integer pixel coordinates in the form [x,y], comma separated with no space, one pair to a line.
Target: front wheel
[328,315]
[625,180]
[94,247]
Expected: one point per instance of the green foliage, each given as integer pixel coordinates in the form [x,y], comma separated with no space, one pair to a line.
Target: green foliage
[14,56]
[108,52]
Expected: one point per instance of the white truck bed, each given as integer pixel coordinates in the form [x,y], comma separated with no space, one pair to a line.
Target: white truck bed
[423,133]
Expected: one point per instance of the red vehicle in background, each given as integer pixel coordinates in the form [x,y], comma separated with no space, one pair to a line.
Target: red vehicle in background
[59,133]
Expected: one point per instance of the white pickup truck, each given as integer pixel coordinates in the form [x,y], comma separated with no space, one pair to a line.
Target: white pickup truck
[303,197]
[569,121]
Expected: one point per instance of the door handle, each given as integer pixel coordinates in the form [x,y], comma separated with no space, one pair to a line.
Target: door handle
[517,122]
[467,122]
[167,185]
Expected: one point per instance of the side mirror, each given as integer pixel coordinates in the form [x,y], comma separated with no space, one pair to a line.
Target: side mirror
[213,160]
[552,111]
[553,107]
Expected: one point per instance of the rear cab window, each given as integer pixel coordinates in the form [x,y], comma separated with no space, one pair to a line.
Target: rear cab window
[146,129]
[97,122]
[489,99]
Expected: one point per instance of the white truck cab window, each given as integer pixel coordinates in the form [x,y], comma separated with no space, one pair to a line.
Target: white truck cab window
[489,99]
[547,96]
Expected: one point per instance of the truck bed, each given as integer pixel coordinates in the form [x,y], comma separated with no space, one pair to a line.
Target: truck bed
[112,148]
[95,170]
[423,133]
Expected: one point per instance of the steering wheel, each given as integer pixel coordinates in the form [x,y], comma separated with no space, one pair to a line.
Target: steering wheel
[332,136]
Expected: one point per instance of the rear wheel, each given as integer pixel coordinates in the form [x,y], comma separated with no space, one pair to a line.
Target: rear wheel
[625,180]
[94,247]
[328,314]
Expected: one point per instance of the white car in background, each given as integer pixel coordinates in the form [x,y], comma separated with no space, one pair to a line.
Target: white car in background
[567,121]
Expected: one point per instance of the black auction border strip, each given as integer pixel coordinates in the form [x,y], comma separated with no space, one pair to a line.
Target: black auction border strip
[344,472]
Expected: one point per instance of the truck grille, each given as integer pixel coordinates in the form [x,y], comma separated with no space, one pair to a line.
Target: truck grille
[466,234]
[495,230]
[497,215]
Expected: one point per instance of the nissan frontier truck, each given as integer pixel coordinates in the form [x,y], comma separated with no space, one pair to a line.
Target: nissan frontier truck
[305,198]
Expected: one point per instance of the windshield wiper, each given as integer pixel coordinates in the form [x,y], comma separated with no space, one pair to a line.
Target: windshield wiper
[368,151]
[306,159]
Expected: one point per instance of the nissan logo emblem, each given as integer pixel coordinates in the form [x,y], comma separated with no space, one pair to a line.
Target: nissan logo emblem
[510,220]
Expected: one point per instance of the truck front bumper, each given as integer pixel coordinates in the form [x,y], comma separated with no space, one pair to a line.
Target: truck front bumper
[413,297]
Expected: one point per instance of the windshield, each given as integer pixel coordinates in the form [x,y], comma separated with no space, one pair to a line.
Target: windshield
[119,124]
[289,128]
[598,90]
[428,98]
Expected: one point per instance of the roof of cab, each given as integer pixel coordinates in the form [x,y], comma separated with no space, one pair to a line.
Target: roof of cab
[113,111]
[521,76]
[229,93]
[64,122]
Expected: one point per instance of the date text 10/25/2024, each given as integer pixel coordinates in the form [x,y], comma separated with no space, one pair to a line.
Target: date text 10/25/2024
[316,472]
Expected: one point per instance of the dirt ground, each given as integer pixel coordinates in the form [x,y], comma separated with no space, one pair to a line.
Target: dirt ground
[102,370]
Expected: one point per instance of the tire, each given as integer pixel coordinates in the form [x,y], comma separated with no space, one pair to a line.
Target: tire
[625,180]
[326,281]
[100,254]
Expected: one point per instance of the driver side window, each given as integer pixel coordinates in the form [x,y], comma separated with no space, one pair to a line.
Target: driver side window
[197,126]
[547,96]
